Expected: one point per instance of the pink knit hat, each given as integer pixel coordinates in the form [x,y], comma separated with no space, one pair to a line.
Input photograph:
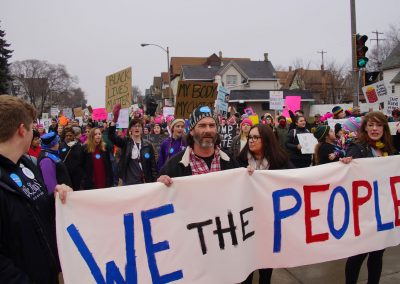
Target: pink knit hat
[247,121]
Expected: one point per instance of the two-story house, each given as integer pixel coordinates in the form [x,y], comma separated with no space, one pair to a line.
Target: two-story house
[391,72]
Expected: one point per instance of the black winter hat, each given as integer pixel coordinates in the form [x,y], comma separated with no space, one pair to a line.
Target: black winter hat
[321,132]
[338,127]
[199,113]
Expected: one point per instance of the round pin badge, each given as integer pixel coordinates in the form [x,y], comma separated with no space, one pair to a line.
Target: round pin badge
[97,156]
[16,179]
[64,150]
[147,155]
[28,173]
[171,150]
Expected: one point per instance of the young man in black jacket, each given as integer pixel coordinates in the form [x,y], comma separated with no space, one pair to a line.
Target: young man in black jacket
[202,154]
[28,251]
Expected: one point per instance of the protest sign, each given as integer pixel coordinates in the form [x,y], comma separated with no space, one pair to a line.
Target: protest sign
[375,93]
[45,115]
[99,114]
[119,89]
[221,104]
[54,111]
[123,119]
[46,124]
[393,125]
[190,95]
[68,113]
[211,223]
[291,103]
[392,103]
[332,122]
[78,111]
[276,100]
[167,111]
[254,119]
[227,133]
[307,142]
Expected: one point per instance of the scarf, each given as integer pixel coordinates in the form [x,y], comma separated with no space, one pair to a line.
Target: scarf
[263,165]
[377,145]
[199,166]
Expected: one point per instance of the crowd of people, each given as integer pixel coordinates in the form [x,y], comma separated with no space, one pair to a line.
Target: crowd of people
[154,149]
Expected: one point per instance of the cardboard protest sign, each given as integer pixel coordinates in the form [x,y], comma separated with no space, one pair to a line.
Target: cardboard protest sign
[375,93]
[78,111]
[54,111]
[119,89]
[68,113]
[149,233]
[190,95]
[307,142]
[276,100]
[167,111]
[291,103]
[227,133]
[99,114]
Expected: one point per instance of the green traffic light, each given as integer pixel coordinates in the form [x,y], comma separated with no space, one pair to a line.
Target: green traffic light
[362,62]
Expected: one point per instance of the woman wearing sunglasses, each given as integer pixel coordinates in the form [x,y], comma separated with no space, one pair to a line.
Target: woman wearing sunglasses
[263,152]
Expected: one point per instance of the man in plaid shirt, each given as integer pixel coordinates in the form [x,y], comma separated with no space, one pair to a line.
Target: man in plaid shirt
[203,154]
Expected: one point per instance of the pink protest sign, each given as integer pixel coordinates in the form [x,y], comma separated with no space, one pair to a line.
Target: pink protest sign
[292,103]
[99,114]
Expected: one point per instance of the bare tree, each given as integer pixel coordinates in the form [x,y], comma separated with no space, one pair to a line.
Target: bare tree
[299,63]
[377,56]
[336,81]
[40,82]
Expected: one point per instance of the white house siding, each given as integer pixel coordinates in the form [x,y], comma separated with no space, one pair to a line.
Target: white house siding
[388,75]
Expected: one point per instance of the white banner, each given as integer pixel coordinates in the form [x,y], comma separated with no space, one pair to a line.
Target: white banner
[123,119]
[219,227]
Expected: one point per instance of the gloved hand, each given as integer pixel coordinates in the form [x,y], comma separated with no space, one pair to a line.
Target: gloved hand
[115,111]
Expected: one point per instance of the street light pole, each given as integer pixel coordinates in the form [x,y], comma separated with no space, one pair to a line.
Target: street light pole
[168,68]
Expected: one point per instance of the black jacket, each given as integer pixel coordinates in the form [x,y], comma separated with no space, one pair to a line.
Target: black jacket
[292,142]
[178,165]
[147,156]
[27,243]
[87,165]
[72,158]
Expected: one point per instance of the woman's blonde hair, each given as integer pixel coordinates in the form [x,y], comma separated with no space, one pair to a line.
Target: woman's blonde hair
[91,145]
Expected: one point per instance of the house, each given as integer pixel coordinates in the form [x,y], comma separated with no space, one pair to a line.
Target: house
[249,82]
[327,86]
[391,72]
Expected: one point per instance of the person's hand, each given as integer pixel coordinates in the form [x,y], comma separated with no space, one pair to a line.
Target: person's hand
[62,191]
[165,180]
[298,146]
[250,170]
[346,160]
[115,111]
[331,156]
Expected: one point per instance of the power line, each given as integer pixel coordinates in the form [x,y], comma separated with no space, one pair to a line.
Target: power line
[377,39]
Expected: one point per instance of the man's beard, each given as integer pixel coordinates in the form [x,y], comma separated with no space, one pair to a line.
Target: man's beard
[200,140]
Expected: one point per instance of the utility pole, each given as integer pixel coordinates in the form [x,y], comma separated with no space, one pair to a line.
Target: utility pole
[377,45]
[356,86]
[322,53]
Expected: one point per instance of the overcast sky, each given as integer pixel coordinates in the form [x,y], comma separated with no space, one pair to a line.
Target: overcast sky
[94,38]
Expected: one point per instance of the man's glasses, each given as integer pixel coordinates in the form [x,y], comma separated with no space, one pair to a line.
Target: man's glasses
[253,138]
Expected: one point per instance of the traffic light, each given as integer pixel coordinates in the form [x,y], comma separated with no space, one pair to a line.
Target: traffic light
[361,50]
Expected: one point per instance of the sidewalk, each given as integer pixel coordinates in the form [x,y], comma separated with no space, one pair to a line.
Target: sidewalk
[333,272]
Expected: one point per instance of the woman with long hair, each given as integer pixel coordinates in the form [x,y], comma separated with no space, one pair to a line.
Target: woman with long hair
[374,140]
[96,164]
[298,159]
[240,140]
[263,152]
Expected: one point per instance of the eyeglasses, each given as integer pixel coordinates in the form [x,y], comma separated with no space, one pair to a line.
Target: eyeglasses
[253,138]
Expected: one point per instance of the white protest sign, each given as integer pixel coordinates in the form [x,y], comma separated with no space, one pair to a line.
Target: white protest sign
[375,92]
[45,115]
[123,119]
[167,111]
[276,100]
[149,233]
[307,142]
[392,103]
[393,127]
[68,112]
[54,111]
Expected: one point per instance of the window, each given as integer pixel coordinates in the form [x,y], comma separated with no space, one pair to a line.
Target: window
[231,79]
[393,89]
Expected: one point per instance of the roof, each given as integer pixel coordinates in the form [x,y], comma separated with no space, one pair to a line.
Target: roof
[393,60]
[199,72]
[257,69]
[157,82]
[396,79]
[213,59]
[285,77]
[263,95]
[164,77]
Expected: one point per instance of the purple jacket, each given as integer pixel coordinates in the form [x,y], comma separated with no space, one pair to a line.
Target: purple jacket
[169,148]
